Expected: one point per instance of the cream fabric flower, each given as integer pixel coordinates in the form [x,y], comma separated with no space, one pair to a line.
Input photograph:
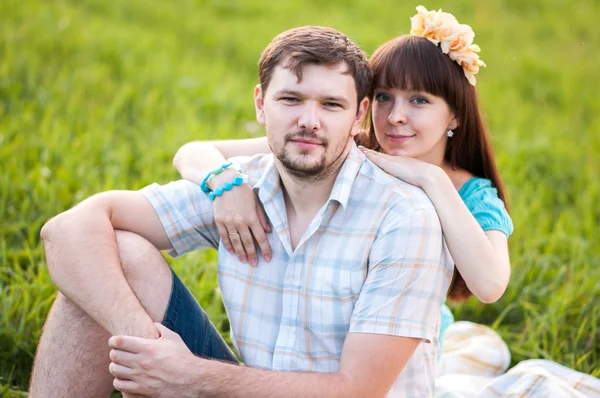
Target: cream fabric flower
[453,38]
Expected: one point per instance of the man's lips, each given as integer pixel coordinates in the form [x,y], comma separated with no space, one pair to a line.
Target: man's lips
[304,143]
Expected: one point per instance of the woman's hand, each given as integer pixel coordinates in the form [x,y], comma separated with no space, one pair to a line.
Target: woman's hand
[241,220]
[413,171]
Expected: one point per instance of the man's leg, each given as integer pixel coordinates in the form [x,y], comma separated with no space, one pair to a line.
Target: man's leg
[72,356]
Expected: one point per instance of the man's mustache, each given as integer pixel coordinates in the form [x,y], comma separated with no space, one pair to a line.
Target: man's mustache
[307,135]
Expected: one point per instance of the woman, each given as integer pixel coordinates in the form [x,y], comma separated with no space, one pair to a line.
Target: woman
[426,129]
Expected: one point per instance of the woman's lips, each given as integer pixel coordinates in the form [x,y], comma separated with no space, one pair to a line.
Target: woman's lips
[399,139]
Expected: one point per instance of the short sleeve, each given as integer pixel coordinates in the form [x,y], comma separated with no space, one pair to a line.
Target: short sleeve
[481,198]
[186,214]
[408,276]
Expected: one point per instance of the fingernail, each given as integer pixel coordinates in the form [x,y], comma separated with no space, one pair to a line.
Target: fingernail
[243,259]
[267,258]
[253,261]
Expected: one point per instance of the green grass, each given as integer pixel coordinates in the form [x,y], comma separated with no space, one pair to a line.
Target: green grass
[99,94]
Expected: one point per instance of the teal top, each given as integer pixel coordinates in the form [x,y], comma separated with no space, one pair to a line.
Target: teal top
[481,198]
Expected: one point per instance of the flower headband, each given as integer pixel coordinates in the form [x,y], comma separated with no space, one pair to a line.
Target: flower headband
[454,39]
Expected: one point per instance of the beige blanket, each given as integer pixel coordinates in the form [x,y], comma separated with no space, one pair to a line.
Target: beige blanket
[474,364]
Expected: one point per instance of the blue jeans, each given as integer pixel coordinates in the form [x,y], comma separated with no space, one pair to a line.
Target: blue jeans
[185,317]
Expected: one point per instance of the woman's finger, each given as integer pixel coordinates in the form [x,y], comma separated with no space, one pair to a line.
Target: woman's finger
[371,155]
[262,216]
[261,239]
[248,244]
[225,237]
[236,241]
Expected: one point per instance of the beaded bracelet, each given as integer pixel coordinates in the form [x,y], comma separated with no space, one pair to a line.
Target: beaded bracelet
[203,184]
[237,181]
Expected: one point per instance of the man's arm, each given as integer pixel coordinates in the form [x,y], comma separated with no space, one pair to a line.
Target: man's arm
[82,255]
[369,365]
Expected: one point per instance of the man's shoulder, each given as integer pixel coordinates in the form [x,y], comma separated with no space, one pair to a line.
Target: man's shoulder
[254,166]
[379,185]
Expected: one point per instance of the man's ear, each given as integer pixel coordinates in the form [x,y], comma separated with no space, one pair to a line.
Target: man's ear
[259,105]
[363,107]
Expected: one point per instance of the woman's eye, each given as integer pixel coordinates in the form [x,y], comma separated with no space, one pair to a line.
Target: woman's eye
[419,100]
[382,97]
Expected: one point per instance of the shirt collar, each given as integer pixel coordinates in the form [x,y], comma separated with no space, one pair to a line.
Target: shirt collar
[269,183]
[345,179]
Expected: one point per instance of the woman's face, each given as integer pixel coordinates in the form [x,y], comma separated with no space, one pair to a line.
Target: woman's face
[411,123]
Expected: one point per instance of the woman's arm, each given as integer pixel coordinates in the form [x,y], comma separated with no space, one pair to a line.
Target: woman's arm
[481,257]
[195,159]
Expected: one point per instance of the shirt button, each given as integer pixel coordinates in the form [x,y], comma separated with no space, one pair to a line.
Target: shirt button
[287,328]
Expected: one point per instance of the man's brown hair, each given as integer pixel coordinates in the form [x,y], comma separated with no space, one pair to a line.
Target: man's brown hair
[316,45]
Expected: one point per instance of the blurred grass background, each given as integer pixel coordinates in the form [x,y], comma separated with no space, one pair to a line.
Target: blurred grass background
[99,94]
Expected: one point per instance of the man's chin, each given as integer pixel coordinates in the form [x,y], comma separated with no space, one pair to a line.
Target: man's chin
[304,168]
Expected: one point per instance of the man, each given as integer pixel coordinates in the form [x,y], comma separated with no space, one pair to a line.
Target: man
[358,273]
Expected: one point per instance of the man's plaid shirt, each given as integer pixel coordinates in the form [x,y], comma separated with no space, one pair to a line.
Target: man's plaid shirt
[373,260]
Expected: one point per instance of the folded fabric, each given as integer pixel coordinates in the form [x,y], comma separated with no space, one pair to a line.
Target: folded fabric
[474,362]
[473,349]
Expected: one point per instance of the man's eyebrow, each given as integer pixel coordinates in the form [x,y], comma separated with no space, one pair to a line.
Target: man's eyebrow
[292,93]
[333,98]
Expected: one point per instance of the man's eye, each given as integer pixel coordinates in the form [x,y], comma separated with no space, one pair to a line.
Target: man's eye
[382,97]
[289,99]
[332,105]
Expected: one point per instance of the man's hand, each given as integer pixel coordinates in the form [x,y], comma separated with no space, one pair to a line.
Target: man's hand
[164,367]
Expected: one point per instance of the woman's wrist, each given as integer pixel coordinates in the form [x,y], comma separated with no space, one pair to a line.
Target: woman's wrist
[433,179]
[225,176]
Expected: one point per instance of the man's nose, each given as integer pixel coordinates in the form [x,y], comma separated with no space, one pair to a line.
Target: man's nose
[309,118]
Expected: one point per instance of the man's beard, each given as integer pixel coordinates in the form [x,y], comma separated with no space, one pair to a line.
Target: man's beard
[309,169]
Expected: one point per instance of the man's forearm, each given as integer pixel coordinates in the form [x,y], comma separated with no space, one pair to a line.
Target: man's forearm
[82,255]
[218,379]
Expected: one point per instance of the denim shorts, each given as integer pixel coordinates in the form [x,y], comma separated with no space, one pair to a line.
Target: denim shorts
[185,317]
